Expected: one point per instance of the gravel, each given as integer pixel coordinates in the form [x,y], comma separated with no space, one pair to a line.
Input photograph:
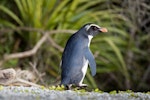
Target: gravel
[34,93]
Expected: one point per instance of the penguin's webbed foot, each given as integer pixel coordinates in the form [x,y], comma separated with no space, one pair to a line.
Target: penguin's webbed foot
[68,87]
[80,86]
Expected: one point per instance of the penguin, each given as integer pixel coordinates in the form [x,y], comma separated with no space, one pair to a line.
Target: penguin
[77,55]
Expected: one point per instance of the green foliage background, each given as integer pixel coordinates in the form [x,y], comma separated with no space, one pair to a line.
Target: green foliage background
[122,55]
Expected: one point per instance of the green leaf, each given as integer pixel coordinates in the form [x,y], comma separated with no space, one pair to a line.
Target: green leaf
[5,23]
[11,14]
[120,57]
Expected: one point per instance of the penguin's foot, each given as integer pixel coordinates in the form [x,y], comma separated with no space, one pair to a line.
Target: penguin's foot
[82,85]
[68,87]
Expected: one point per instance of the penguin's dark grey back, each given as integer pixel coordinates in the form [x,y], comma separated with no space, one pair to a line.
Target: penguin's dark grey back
[74,53]
[76,43]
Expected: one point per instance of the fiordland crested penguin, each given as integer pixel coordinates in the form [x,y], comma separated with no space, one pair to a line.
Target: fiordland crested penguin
[77,56]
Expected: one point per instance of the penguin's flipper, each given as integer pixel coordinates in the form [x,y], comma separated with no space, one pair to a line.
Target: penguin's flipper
[92,63]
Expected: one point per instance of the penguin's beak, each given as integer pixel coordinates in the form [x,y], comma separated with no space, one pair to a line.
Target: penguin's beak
[103,30]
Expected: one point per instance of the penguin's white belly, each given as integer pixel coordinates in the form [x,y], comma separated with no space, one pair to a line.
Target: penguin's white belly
[84,69]
[85,66]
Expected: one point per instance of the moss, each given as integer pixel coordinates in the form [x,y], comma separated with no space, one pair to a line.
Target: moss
[134,95]
[33,92]
[59,87]
[62,87]
[15,91]
[52,87]
[79,90]
[43,87]
[97,90]
[1,87]
[113,92]
[22,91]
[129,91]
[148,92]
[26,90]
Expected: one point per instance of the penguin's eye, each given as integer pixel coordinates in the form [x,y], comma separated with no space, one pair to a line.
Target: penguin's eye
[94,28]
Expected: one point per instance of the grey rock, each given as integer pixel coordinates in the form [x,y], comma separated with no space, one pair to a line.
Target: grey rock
[34,93]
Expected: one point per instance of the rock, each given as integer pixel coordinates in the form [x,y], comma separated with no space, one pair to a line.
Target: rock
[35,93]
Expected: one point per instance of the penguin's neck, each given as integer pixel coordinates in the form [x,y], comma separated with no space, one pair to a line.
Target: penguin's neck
[90,38]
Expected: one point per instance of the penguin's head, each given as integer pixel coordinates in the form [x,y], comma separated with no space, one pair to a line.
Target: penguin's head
[93,29]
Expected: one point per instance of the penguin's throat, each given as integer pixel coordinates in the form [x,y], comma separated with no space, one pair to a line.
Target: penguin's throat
[90,38]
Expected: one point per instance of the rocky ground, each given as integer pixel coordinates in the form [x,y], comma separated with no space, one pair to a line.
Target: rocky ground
[34,93]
